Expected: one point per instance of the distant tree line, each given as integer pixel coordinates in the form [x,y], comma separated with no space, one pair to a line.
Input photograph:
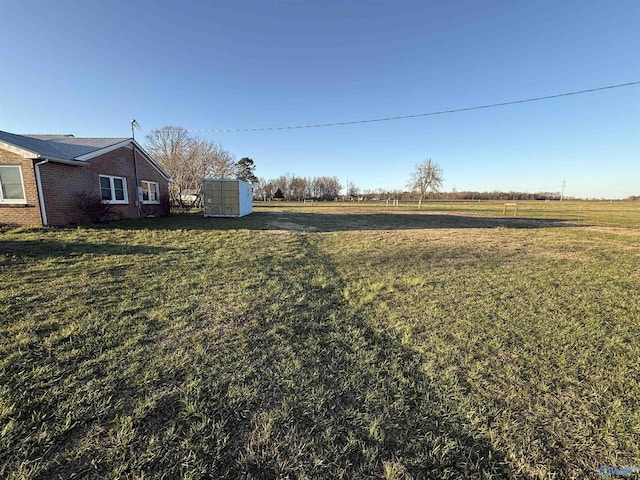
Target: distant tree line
[406,196]
[292,187]
[466,195]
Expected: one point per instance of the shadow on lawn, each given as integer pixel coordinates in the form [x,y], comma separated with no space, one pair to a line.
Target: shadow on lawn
[301,384]
[355,401]
[338,222]
[47,248]
[390,372]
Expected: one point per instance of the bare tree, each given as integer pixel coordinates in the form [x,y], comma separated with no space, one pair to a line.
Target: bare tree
[316,187]
[298,187]
[331,186]
[219,162]
[258,189]
[268,188]
[188,159]
[426,178]
[171,147]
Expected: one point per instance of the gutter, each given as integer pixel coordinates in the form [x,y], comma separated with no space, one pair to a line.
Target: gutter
[43,210]
[79,163]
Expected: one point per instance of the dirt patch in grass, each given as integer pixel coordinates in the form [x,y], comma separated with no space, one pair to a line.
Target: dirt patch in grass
[287,225]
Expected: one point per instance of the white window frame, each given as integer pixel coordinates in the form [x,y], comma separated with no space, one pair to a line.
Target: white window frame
[147,183]
[24,193]
[113,190]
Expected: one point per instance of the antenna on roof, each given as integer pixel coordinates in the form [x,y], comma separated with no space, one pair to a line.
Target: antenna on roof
[134,126]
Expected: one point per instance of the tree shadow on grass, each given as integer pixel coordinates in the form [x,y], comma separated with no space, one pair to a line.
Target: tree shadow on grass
[300,384]
[334,395]
[339,222]
[383,412]
[47,248]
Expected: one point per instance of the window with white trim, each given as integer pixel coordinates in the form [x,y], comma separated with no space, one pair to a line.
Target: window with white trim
[150,192]
[113,190]
[11,185]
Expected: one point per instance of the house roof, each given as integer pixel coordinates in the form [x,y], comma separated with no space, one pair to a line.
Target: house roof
[51,136]
[67,148]
[62,147]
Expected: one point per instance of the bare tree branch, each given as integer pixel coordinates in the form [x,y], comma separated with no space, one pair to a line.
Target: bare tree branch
[426,178]
[188,159]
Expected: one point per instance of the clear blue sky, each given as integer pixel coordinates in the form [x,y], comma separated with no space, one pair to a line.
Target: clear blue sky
[88,67]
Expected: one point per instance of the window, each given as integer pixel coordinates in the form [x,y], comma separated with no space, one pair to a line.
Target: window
[11,187]
[150,192]
[113,189]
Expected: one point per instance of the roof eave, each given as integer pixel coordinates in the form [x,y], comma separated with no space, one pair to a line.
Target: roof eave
[25,153]
[65,161]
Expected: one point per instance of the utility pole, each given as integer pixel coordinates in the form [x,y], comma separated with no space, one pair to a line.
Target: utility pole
[134,124]
[564,182]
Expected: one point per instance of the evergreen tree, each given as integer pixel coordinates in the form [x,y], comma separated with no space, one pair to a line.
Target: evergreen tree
[245,170]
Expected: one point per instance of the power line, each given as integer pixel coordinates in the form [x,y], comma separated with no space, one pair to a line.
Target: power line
[417,115]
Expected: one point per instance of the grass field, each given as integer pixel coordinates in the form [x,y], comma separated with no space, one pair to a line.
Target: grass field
[325,341]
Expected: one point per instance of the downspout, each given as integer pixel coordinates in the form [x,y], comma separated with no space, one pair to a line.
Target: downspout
[43,210]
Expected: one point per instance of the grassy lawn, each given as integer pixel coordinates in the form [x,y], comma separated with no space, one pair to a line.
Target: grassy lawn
[325,341]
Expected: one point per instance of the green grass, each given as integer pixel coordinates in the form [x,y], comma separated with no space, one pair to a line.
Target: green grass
[324,341]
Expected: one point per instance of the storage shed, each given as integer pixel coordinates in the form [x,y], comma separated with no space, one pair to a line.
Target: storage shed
[226,198]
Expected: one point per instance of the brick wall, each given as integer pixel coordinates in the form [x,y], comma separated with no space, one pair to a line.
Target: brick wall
[61,183]
[22,213]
